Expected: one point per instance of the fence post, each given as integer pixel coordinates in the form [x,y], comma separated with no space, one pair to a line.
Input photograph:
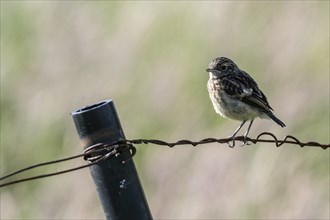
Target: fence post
[117,184]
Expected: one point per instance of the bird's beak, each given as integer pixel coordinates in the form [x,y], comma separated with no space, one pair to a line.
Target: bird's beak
[208,70]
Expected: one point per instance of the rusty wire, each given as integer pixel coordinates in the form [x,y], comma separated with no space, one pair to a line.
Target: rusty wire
[101,151]
[289,139]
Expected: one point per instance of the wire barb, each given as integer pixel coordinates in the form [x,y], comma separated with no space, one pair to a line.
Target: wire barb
[102,151]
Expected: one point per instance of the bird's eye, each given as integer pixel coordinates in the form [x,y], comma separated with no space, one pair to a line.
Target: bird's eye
[223,67]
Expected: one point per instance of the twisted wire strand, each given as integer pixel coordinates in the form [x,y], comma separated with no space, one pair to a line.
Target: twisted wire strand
[93,154]
[49,163]
[101,151]
[289,139]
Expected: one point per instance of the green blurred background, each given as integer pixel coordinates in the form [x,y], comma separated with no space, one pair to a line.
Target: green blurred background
[150,58]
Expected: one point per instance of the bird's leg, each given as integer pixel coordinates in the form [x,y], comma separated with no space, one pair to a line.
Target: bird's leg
[234,134]
[246,134]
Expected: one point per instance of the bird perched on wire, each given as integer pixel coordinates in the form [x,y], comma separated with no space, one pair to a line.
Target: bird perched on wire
[234,94]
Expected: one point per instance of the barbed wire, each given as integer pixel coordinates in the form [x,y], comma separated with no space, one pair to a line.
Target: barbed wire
[93,154]
[289,139]
[101,151]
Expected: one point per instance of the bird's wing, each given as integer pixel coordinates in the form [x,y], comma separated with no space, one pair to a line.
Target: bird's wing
[244,88]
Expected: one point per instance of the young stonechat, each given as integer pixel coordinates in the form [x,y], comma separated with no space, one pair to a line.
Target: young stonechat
[234,94]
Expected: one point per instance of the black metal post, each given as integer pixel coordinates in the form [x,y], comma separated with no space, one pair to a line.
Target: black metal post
[117,183]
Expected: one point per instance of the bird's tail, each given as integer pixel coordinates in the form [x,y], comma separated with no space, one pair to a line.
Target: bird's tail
[273,117]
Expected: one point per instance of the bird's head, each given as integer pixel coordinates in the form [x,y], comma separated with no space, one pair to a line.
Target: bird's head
[220,67]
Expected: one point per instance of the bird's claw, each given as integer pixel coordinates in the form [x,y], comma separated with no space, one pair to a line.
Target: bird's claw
[245,142]
[231,141]
[231,145]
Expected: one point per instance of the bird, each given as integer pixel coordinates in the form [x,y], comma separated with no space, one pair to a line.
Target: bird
[236,95]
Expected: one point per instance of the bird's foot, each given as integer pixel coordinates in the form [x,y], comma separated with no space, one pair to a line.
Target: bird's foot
[231,143]
[245,141]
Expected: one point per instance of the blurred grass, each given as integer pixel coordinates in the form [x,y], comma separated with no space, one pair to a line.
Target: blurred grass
[150,57]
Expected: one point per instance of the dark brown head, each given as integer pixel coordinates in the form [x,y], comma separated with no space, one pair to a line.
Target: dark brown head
[221,66]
